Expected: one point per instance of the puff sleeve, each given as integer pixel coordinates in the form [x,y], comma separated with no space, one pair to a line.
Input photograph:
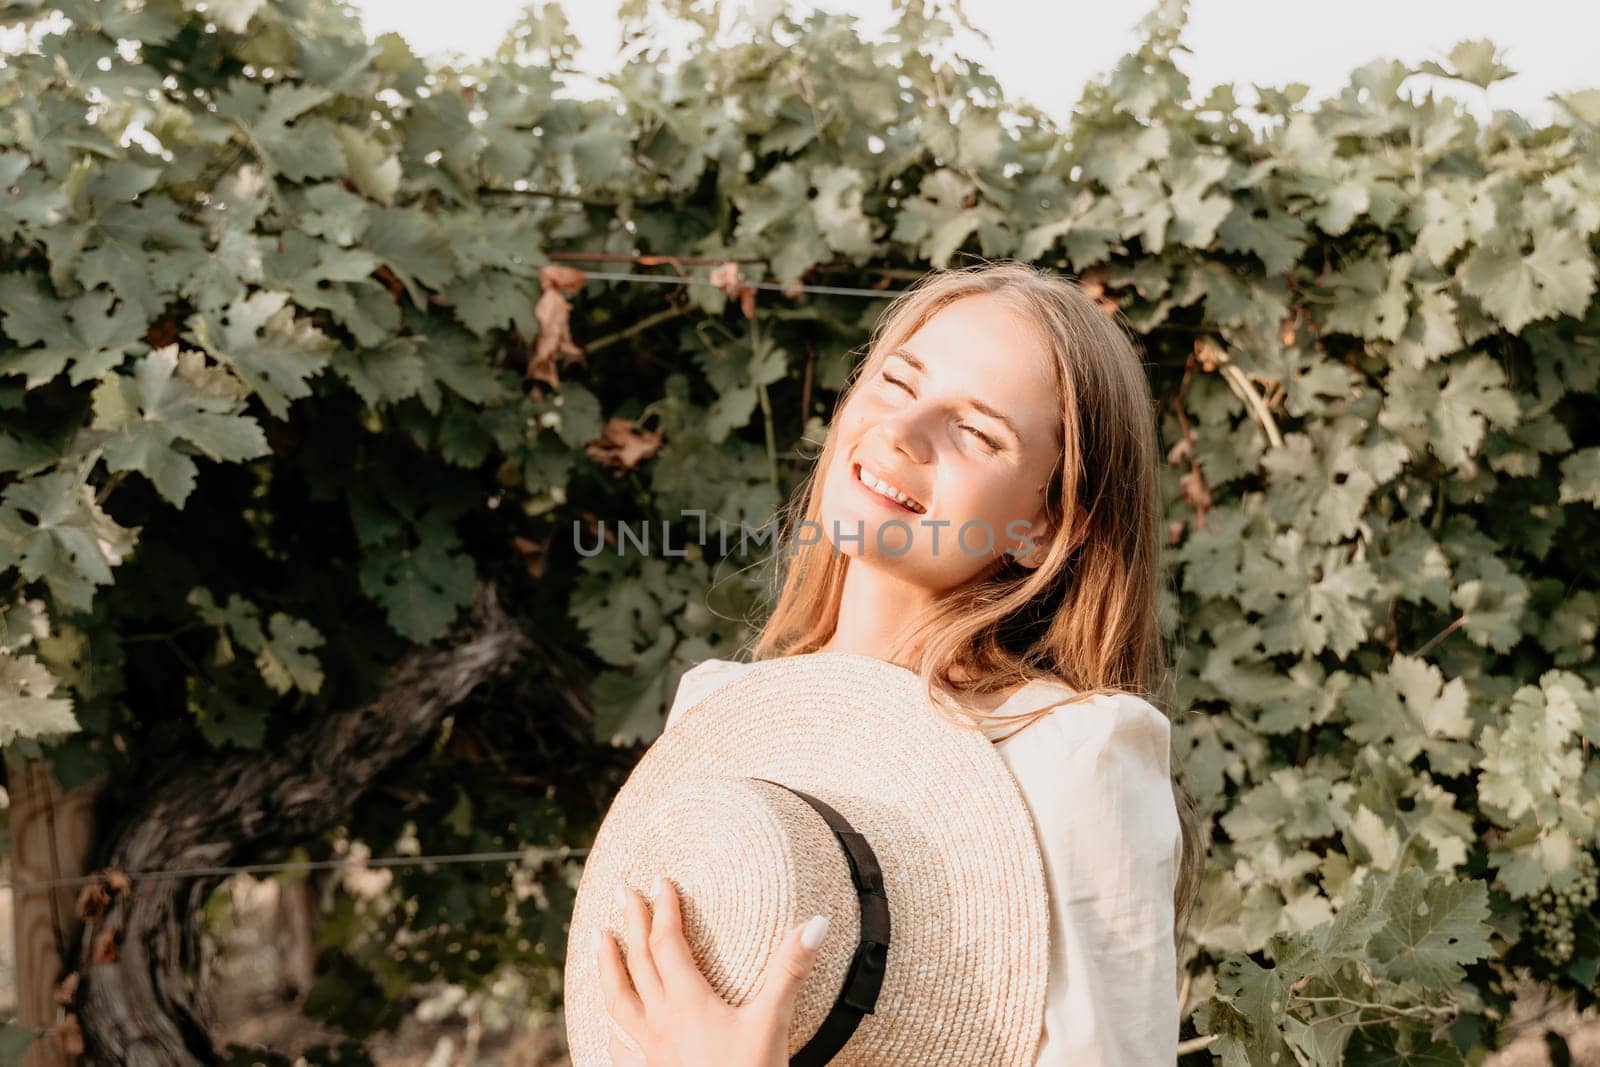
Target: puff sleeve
[696,682]
[1096,776]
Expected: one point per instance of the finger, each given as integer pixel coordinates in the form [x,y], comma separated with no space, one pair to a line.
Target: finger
[790,967]
[640,966]
[623,1006]
[669,948]
[620,1053]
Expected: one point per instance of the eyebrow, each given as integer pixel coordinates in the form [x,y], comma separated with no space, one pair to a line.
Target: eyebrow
[976,404]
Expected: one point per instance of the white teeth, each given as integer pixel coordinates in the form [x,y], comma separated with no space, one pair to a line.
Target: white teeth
[878,485]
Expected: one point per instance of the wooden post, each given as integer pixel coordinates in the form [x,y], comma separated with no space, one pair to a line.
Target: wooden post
[296,921]
[52,834]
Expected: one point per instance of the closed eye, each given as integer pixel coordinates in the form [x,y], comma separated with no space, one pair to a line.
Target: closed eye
[985,438]
[979,434]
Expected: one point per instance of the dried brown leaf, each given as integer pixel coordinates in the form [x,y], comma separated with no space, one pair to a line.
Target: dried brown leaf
[1208,354]
[104,948]
[92,902]
[555,335]
[622,446]
[591,523]
[1195,491]
[1093,283]
[727,278]
[567,280]
[532,553]
[390,281]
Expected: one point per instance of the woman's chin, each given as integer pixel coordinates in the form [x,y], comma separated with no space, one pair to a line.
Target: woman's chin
[856,533]
[879,543]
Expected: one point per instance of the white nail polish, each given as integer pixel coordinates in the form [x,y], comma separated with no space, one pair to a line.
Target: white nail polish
[622,898]
[594,939]
[812,935]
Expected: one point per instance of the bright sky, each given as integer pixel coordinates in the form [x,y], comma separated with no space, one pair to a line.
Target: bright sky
[1044,50]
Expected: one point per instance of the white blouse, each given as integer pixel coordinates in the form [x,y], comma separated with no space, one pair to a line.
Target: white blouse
[1096,778]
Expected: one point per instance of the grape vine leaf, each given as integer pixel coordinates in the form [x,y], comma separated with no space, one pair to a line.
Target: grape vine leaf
[420,587]
[285,659]
[153,414]
[1580,476]
[1432,927]
[1477,62]
[1528,754]
[1410,709]
[1556,277]
[27,706]
[84,332]
[263,341]
[52,527]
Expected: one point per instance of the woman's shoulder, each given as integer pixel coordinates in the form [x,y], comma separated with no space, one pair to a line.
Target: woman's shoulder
[1070,719]
[699,680]
[1105,753]
[1114,701]
[714,666]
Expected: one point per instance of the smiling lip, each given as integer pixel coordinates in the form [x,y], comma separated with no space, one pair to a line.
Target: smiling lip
[914,508]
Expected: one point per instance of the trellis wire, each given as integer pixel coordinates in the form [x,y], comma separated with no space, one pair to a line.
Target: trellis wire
[679,279]
[532,852]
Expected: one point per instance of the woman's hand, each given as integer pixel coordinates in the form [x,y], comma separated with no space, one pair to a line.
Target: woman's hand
[667,1009]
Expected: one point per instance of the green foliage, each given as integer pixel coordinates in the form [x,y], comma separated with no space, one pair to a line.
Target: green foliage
[14,1041]
[1406,933]
[269,290]
[1560,916]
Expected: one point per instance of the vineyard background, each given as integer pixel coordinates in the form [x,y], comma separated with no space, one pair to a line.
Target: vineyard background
[303,390]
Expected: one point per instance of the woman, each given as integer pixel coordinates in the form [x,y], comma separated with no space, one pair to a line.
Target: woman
[957,545]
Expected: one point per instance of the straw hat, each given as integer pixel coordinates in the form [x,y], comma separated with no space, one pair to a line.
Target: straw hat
[938,940]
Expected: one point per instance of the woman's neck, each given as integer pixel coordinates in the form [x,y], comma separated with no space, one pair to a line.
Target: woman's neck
[874,610]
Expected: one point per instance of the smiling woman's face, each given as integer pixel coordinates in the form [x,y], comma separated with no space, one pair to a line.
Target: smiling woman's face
[963,418]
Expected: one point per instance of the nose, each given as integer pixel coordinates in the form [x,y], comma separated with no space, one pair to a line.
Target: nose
[906,433]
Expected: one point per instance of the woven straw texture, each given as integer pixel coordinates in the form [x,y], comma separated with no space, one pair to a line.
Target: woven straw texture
[969,952]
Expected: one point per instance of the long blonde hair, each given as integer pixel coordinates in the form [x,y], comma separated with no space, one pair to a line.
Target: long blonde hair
[1087,615]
